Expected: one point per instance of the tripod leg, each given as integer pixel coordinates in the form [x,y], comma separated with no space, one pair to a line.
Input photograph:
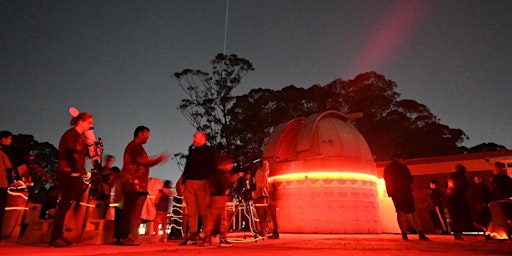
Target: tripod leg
[253,218]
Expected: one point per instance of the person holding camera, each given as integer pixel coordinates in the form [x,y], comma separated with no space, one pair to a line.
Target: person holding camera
[70,173]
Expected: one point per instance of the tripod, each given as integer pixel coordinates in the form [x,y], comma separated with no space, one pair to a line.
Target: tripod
[246,206]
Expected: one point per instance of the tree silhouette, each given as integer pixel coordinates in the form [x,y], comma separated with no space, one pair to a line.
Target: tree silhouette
[209,97]
[389,123]
[241,125]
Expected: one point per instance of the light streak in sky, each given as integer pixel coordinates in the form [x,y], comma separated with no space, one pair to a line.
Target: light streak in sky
[390,35]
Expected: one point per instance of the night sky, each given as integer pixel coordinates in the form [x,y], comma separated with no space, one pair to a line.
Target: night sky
[115,60]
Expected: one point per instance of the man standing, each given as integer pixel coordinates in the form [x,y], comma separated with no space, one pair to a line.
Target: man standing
[134,179]
[398,180]
[456,202]
[201,163]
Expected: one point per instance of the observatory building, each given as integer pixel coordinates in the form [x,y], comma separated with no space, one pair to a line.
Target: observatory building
[323,176]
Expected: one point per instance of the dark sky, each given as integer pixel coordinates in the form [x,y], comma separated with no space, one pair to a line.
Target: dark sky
[115,59]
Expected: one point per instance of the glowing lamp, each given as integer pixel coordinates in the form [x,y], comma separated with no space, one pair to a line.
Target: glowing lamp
[323,176]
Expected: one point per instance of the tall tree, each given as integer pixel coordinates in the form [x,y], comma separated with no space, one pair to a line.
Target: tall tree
[389,123]
[209,97]
[257,112]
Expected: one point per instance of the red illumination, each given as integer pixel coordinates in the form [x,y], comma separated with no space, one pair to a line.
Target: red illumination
[17,194]
[320,175]
[15,208]
[495,235]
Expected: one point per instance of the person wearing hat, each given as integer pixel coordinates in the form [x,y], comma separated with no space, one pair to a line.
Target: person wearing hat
[398,180]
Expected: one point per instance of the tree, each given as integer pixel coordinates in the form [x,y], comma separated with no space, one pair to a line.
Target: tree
[389,123]
[486,147]
[209,97]
[257,112]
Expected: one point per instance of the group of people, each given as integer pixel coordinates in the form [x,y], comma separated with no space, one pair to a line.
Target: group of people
[208,178]
[491,208]
[132,183]
[488,209]
[205,185]
[206,181]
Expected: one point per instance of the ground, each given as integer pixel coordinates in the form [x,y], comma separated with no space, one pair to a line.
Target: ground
[287,245]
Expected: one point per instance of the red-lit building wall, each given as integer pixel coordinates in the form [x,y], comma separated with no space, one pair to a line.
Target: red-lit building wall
[323,176]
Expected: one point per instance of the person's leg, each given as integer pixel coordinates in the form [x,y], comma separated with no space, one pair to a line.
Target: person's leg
[272,210]
[161,220]
[220,220]
[261,210]
[417,225]
[140,199]
[203,199]
[401,218]
[455,217]
[117,224]
[192,209]
[212,224]
[224,221]
[70,190]
[124,220]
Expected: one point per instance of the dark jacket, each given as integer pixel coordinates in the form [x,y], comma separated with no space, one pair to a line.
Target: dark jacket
[457,185]
[398,178]
[72,152]
[201,162]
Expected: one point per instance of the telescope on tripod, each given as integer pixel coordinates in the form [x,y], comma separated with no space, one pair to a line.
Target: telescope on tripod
[244,210]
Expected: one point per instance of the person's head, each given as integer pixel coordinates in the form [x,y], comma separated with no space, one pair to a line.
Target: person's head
[141,134]
[6,137]
[82,122]
[115,169]
[109,160]
[199,139]
[459,168]
[167,184]
[499,168]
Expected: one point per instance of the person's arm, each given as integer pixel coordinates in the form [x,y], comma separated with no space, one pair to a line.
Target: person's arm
[141,159]
[158,197]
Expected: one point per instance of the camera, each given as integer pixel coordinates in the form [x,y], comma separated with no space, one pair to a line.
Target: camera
[94,147]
